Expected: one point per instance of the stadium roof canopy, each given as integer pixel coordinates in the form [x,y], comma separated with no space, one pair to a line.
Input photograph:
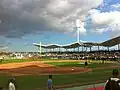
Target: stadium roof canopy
[108,43]
[111,42]
[48,46]
[91,44]
[72,45]
[67,46]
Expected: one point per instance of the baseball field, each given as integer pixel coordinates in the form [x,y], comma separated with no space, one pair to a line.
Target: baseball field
[33,75]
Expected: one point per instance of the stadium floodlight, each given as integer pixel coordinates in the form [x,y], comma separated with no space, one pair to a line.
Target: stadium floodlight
[78,29]
[78,23]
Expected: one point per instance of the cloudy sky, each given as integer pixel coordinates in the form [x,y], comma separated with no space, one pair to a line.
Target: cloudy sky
[23,22]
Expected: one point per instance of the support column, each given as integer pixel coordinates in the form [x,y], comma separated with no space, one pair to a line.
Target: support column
[98,48]
[82,48]
[90,49]
[118,46]
[45,50]
[74,49]
[108,48]
[86,49]
[59,49]
[78,49]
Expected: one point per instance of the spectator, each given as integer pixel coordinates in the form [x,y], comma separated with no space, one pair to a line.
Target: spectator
[49,83]
[114,82]
[11,84]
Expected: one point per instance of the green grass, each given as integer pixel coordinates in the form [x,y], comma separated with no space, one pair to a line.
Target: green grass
[15,60]
[77,64]
[5,61]
[94,65]
[32,82]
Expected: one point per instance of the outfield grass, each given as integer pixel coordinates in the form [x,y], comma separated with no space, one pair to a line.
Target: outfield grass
[77,64]
[32,82]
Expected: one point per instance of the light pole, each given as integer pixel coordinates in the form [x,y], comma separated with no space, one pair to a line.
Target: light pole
[78,30]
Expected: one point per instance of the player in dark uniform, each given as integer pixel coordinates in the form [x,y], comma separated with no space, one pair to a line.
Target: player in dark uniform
[86,64]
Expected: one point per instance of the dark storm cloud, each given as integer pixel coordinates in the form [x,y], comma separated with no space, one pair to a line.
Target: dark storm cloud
[18,20]
[22,17]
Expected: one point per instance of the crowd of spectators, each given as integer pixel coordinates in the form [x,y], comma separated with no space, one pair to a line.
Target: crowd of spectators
[93,55]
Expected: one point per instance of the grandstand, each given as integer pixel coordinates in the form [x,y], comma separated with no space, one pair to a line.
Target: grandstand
[108,50]
[84,50]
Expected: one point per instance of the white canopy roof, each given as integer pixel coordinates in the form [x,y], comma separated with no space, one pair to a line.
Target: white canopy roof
[108,43]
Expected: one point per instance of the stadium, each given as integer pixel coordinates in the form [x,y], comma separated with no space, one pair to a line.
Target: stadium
[79,65]
[66,66]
